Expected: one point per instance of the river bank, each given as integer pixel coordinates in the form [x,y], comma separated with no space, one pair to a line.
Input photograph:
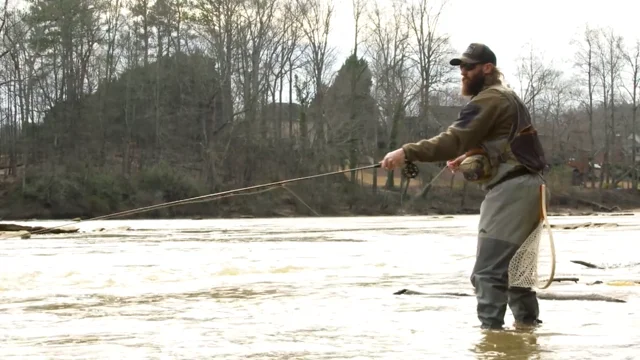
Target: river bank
[67,200]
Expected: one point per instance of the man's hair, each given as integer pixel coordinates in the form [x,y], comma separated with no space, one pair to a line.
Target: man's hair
[495,77]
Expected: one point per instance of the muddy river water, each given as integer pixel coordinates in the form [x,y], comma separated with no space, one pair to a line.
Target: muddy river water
[302,288]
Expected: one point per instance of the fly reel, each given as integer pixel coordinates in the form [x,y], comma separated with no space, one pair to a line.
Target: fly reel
[410,170]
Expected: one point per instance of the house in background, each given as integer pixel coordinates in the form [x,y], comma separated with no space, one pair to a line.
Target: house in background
[619,154]
[633,141]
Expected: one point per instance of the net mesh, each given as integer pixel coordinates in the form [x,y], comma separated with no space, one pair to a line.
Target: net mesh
[533,265]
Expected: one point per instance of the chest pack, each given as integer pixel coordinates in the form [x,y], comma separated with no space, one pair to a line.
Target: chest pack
[521,147]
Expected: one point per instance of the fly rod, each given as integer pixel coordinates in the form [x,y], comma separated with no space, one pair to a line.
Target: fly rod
[224,193]
[410,171]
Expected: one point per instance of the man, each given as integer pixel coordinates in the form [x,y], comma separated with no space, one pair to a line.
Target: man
[493,143]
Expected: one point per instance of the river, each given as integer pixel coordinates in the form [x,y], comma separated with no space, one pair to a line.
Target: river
[299,288]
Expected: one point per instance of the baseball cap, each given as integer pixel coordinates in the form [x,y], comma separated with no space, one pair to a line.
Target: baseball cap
[476,53]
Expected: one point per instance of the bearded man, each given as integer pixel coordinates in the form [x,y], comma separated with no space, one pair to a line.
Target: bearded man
[492,142]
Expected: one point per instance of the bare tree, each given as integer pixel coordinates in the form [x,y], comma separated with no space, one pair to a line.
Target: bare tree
[431,50]
[284,54]
[217,24]
[388,49]
[358,8]
[608,70]
[555,100]
[586,63]
[632,59]
[255,59]
[315,23]
[535,76]
[3,24]
[141,23]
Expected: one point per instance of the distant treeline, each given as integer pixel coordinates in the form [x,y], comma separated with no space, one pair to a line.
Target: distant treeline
[111,104]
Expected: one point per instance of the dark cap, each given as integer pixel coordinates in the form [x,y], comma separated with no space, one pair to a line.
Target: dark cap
[475,54]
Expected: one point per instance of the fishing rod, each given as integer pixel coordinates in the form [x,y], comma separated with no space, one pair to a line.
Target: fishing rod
[410,170]
[228,192]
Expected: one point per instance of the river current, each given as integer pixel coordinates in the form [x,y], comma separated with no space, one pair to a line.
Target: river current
[301,288]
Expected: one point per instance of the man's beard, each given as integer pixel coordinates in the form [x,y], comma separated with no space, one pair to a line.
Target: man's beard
[473,85]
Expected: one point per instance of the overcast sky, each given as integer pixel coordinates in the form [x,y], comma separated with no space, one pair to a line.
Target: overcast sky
[507,26]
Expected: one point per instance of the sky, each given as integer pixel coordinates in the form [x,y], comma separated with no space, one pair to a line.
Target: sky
[508,27]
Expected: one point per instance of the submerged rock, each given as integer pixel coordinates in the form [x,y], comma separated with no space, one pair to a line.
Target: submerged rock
[12,228]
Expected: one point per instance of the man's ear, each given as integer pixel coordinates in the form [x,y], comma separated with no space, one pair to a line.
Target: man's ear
[487,68]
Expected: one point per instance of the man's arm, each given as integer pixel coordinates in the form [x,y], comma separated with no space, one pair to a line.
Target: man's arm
[473,124]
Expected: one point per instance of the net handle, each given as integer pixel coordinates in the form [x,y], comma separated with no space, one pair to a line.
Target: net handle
[543,202]
[545,220]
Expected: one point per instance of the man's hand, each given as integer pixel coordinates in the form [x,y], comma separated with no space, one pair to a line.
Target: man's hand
[454,164]
[394,159]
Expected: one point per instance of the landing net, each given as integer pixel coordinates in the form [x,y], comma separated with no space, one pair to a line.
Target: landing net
[534,264]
